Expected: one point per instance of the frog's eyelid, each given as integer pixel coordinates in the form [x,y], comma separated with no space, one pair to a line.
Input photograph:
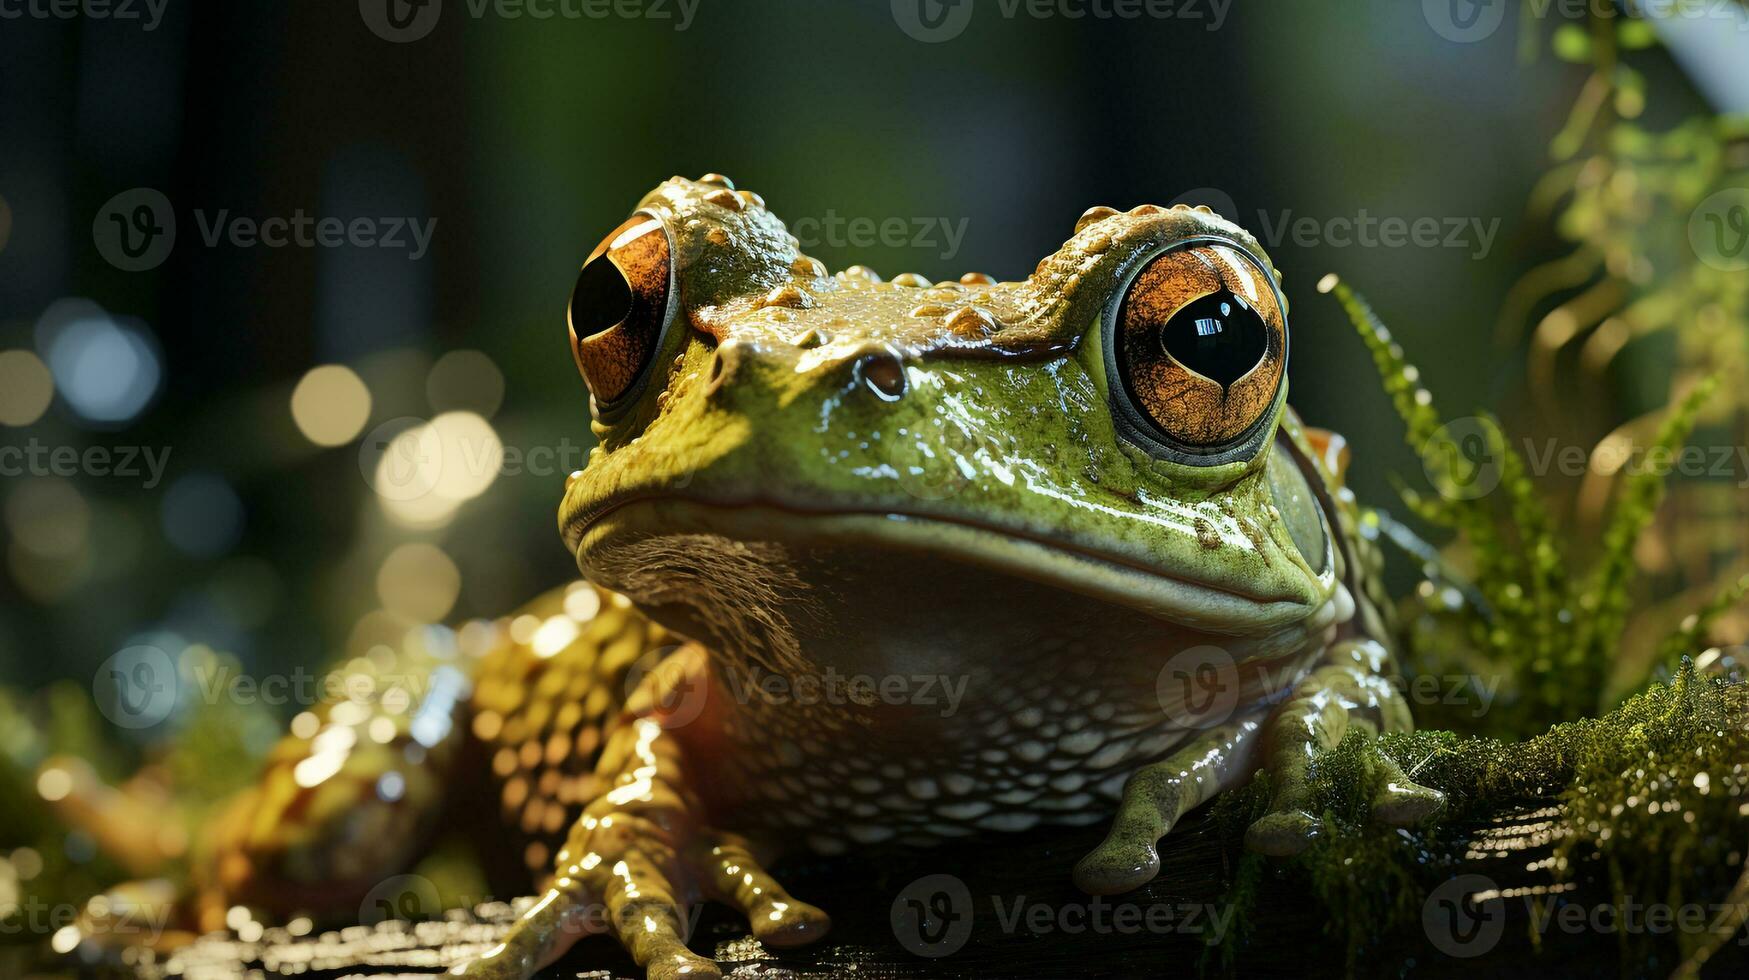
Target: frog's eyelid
[621,312]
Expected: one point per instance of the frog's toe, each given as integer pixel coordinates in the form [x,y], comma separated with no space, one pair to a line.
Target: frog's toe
[1400,801]
[733,875]
[1124,862]
[1283,833]
[664,953]
[542,935]
[1406,806]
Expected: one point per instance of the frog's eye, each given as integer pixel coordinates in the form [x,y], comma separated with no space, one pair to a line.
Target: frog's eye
[1199,343]
[620,309]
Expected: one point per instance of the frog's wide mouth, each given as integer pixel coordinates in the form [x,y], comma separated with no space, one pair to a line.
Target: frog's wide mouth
[600,536]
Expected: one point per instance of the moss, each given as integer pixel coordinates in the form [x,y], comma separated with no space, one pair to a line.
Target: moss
[1654,790]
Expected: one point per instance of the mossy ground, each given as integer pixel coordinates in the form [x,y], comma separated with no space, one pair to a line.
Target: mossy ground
[1656,790]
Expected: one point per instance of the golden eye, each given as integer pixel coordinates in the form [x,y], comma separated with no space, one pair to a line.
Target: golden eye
[1200,346]
[620,308]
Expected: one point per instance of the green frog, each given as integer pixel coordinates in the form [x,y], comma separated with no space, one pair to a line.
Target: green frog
[876,561]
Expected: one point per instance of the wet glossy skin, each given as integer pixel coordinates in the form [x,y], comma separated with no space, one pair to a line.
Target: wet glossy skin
[891,561]
[834,475]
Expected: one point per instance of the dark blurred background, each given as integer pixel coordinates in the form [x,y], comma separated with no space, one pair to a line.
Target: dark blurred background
[522,140]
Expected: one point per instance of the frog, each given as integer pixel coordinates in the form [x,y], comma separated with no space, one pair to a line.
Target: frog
[876,562]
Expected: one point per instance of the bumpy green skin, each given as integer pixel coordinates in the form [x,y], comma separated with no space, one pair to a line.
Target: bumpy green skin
[830,476]
[1007,429]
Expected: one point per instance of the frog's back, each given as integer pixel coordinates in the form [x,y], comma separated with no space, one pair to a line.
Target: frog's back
[547,693]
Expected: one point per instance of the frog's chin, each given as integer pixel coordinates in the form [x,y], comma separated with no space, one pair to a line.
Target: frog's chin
[777,582]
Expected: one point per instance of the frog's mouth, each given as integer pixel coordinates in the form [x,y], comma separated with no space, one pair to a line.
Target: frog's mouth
[765,577]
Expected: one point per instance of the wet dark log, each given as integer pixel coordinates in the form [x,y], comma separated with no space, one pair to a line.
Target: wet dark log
[1005,909]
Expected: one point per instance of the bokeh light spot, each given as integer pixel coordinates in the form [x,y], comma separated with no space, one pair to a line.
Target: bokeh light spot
[49,517]
[465,380]
[418,581]
[26,387]
[106,370]
[330,405]
[427,471]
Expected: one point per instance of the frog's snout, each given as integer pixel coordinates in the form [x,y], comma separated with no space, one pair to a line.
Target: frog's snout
[872,366]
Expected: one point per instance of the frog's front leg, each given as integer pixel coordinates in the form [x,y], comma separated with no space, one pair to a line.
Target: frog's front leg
[1350,686]
[1352,689]
[641,856]
[1157,795]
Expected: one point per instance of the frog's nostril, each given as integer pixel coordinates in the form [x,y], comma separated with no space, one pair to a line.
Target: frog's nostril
[883,373]
[722,367]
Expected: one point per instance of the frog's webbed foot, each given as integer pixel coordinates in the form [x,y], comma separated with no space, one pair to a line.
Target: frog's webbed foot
[639,861]
[1350,690]
[1156,796]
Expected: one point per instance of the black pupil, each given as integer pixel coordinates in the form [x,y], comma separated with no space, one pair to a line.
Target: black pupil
[1218,336]
[601,298]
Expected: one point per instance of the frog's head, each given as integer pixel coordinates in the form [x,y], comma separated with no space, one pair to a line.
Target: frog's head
[897,475]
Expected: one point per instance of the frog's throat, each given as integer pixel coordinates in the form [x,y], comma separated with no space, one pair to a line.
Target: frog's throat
[746,568]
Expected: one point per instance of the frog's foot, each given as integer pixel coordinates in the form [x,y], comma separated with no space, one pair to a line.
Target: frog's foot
[1350,690]
[640,859]
[636,886]
[1156,796]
